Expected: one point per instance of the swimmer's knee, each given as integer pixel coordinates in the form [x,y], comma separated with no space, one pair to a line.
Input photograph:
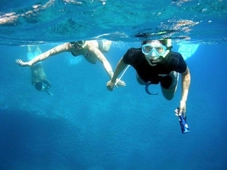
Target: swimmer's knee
[168,93]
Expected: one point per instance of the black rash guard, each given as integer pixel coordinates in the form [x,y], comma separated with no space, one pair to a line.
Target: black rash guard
[158,73]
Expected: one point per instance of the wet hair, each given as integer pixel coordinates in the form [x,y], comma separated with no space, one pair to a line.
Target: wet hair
[38,86]
[165,42]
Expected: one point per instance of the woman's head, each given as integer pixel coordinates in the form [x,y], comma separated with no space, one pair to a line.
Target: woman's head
[78,45]
[155,50]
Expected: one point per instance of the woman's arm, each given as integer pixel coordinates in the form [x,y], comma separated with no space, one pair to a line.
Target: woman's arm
[106,64]
[56,50]
[186,80]
[120,67]
[102,59]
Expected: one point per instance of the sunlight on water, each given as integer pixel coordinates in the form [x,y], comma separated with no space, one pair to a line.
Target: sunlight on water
[187,50]
[66,20]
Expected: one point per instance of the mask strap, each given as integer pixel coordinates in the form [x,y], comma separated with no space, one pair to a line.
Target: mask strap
[165,54]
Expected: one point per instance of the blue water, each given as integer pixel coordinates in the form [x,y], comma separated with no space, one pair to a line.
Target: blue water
[83,126]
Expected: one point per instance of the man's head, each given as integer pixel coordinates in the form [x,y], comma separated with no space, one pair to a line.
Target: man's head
[155,50]
[38,85]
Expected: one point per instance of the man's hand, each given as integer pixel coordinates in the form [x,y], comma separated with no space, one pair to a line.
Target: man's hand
[110,85]
[46,87]
[49,93]
[21,63]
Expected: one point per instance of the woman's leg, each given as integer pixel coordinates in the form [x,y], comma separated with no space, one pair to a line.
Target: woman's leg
[169,92]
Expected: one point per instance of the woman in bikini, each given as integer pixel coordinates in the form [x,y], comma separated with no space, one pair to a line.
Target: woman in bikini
[92,50]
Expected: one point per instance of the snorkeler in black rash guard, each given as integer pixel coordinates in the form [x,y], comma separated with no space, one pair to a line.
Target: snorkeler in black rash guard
[155,63]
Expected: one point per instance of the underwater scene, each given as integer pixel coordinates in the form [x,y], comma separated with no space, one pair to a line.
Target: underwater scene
[60,108]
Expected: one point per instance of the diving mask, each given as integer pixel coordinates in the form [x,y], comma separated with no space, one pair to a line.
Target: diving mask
[153,50]
[78,45]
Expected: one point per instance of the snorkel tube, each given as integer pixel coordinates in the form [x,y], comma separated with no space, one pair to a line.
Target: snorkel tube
[147,90]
